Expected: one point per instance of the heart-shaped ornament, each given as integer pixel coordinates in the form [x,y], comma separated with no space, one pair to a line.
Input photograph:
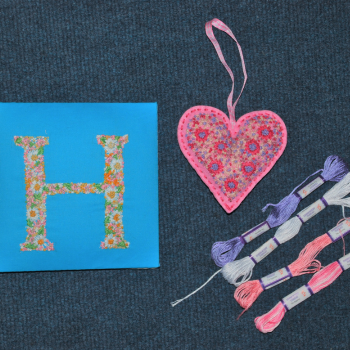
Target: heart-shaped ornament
[229,162]
[230,157]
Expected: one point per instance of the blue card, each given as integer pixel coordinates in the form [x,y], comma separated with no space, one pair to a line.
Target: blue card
[78,186]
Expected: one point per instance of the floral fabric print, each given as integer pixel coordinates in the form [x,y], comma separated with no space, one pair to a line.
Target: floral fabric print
[37,191]
[113,188]
[234,162]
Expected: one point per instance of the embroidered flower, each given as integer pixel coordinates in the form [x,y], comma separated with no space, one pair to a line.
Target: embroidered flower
[252,147]
[40,240]
[111,194]
[115,164]
[32,156]
[33,214]
[248,168]
[110,241]
[114,216]
[110,145]
[112,179]
[201,134]
[265,132]
[35,187]
[195,122]
[220,146]
[215,167]
[231,185]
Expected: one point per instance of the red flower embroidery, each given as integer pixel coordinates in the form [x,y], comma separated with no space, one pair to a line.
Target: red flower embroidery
[252,147]
[248,168]
[215,167]
[265,132]
[220,146]
[231,185]
[201,134]
[195,122]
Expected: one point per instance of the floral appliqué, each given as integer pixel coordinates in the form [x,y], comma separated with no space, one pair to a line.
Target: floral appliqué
[37,191]
[234,162]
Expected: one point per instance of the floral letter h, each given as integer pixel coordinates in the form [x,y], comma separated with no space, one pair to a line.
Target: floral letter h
[37,190]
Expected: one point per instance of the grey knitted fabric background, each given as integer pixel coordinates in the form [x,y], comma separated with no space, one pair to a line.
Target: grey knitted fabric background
[297,58]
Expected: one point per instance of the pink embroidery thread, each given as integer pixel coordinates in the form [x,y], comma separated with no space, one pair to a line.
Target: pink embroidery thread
[37,191]
[230,157]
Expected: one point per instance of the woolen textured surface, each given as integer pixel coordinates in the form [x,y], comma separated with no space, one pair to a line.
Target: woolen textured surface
[297,57]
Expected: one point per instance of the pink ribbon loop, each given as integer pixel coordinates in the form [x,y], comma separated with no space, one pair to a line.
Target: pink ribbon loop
[223,27]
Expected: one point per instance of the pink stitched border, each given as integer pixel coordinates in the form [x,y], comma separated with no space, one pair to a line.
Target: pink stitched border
[204,174]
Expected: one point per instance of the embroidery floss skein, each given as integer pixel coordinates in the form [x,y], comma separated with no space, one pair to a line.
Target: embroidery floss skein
[248,292]
[224,252]
[240,271]
[322,279]
[244,268]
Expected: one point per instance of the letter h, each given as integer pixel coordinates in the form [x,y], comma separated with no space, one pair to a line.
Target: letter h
[37,191]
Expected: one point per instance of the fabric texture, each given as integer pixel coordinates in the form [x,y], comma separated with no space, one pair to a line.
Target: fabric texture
[296,55]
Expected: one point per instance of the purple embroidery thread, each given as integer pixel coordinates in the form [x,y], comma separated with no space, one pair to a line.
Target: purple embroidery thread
[340,264]
[289,272]
[330,236]
[324,202]
[334,170]
[262,285]
[284,305]
[253,260]
[300,219]
[276,241]
[223,252]
[309,289]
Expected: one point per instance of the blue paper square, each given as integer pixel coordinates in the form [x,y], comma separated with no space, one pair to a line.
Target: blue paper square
[75,222]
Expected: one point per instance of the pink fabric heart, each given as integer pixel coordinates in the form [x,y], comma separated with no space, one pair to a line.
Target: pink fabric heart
[231,157]
[231,163]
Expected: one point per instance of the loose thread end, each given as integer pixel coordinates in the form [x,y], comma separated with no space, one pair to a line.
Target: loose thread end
[174,303]
[247,293]
[266,206]
[237,319]
[283,210]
